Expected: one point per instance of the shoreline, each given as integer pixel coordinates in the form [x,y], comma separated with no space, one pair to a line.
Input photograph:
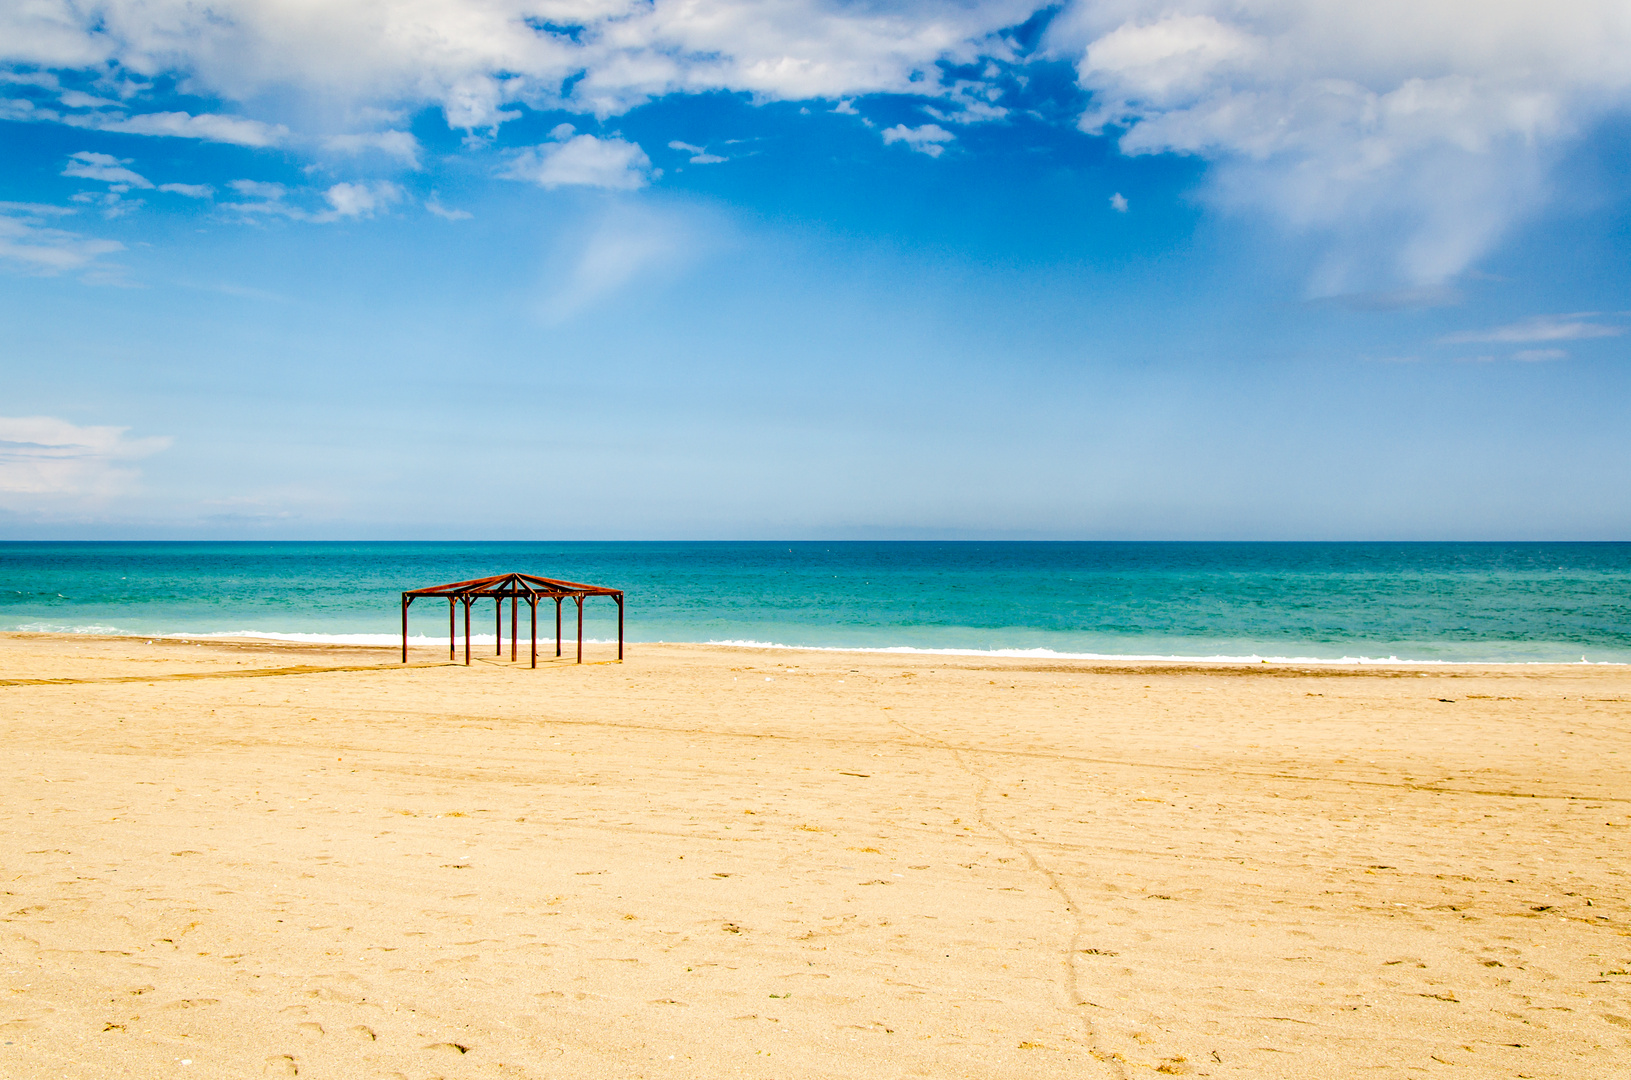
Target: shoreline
[423,642]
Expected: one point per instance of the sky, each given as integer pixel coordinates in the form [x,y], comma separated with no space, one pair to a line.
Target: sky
[597,269]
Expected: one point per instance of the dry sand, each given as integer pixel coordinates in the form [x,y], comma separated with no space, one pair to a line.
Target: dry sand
[711,862]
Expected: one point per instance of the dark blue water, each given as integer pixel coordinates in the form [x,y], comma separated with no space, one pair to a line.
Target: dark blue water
[1418,601]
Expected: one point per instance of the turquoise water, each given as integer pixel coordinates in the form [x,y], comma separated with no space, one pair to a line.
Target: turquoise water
[1439,601]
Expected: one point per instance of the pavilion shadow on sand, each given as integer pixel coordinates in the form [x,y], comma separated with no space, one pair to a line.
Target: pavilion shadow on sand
[515,588]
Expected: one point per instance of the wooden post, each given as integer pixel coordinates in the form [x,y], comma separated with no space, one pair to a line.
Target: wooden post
[452,634]
[557,626]
[533,604]
[498,626]
[467,632]
[579,599]
[620,626]
[515,613]
[405,603]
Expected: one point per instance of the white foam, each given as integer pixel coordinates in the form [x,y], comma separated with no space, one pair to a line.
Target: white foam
[415,640]
[418,640]
[423,641]
[57,628]
[1050,654]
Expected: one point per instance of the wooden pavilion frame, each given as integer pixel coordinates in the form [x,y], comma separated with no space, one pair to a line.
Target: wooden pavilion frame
[515,588]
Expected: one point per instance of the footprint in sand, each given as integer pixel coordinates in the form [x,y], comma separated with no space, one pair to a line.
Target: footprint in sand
[281,1065]
[310,1030]
[364,1032]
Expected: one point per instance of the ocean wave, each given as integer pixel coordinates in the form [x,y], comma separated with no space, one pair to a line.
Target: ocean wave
[415,640]
[482,640]
[369,639]
[64,628]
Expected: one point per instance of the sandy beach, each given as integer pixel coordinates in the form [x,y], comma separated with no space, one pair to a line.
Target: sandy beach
[229,860]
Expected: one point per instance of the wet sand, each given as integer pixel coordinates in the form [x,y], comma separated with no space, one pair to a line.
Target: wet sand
[216,861]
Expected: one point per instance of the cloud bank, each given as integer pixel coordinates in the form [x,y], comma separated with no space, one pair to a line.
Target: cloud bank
[1576,327]
[1427,125]
[475,57]
[30,240]
[1404,136]
[45,459]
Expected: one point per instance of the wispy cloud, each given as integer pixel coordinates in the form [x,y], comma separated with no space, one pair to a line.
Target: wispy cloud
[191,191]
[434,205]
[346,201]
[1374,125]
[631,246]
[1410,146]
[397,144]
[28,240]
[1575,327]
[208,127]
[78,99]
[43,79]
[699,154]
[1422,296]
[926,139]
[43,457]
[264,198]
[105,167]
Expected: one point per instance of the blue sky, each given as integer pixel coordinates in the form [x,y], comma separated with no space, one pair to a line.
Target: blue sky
[801,268]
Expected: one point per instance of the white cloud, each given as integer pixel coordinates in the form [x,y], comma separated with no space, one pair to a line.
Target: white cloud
[434,205]
[43,79]
[346,201]
[926,139]
[1409,133]
[359,200]
[259,189]
[1576,327]
[699,154]
[42,457]
[398,144]
[104,167]
[27,241]
[112,202]
[76,99]
[208,127]
[264,198]
[23,111]
[475,57]
[1539,355]
[973,112]
[192,191]
[36,209]
[583,160]
[1118,203]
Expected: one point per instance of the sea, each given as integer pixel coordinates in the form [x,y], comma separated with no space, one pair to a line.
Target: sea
[1307,602]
